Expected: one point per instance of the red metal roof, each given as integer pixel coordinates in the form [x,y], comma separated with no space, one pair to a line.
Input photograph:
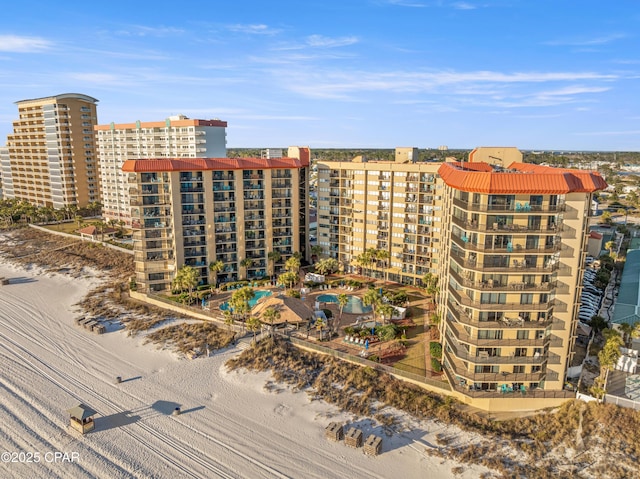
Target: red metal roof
[519,178]
[203,164]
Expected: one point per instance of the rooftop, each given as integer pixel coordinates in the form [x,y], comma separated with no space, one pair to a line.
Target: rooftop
[522,178]
[204,164]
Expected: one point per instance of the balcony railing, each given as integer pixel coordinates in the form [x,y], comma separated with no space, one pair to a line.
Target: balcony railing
[515,267]
[513,207]
[466,301]
[516,248]
[478,358]
[509,227]
[497,286]
[462,336]
[507,322]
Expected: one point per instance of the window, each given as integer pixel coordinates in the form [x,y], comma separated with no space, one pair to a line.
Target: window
[523,334]
[518,369]
[526,298]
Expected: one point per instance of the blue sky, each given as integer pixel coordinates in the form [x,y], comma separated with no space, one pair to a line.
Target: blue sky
[535,74]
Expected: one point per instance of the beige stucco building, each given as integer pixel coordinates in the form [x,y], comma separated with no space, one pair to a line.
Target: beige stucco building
[389,206]
[198,211]
[175,137]
[507,243]
[50,158]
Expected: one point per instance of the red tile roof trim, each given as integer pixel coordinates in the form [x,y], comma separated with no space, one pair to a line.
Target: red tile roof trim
[203,164]
[519,178]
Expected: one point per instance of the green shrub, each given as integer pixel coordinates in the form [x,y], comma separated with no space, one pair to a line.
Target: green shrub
[293,293]
[435,349]
[387,332]
[328,313]
[435,365]
[349,330]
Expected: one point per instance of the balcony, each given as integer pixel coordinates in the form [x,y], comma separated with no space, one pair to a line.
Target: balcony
[461,372]
[464,243]
[464,300]
[514,322]
[480,358]
[517,266]
[461,335]
[509,227]
[492,285]
[513,207]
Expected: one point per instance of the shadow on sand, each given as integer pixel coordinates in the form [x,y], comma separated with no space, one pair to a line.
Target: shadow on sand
[116,420]
[125,418]
[20,280]
[391,439]
[131,379]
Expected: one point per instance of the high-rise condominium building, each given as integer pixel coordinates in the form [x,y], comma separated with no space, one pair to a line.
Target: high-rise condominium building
[202,210]
[50,158]
[175,137]
[507,243]
[388,207]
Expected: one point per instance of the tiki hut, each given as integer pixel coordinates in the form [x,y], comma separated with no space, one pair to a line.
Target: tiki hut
[292,310]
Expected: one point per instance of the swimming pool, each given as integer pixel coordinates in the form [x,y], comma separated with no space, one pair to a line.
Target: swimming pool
[263,293]
[354,304]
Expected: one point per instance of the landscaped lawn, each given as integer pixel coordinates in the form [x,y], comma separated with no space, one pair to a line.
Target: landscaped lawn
[70,227]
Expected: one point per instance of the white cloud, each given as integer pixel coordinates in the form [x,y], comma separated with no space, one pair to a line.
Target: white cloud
[145,31]
[601,40]
[327,42]
[573,90]
[338,84]
[464,6]
[18,44]
[253,29]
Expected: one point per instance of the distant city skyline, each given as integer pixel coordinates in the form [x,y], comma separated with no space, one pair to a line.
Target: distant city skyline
[541,75]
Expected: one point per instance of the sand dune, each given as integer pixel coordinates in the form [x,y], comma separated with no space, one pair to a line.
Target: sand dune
[231,426]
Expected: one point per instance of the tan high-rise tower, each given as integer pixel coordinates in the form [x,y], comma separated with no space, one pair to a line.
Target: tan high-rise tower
[50,158]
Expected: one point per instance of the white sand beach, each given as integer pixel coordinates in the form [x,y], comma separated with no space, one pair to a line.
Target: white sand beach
[231,426]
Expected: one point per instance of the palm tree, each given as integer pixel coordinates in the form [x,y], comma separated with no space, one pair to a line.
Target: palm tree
[326,266]
[228,318]
[246,263]
[610,245]
[215,267]
[186,278]
[293,264]
[343,299]
[609,355]
[627,332]
[100,226]
[382,255]
[271,315]
[253,324]
[274,257]
[372,298]
[288,279]
[386,311]
[240,301]
[430,282]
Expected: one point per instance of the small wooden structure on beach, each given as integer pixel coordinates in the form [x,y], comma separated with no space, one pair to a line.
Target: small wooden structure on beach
[334,432]
[4,281]
[353,437]
[373,445]
[81,418]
